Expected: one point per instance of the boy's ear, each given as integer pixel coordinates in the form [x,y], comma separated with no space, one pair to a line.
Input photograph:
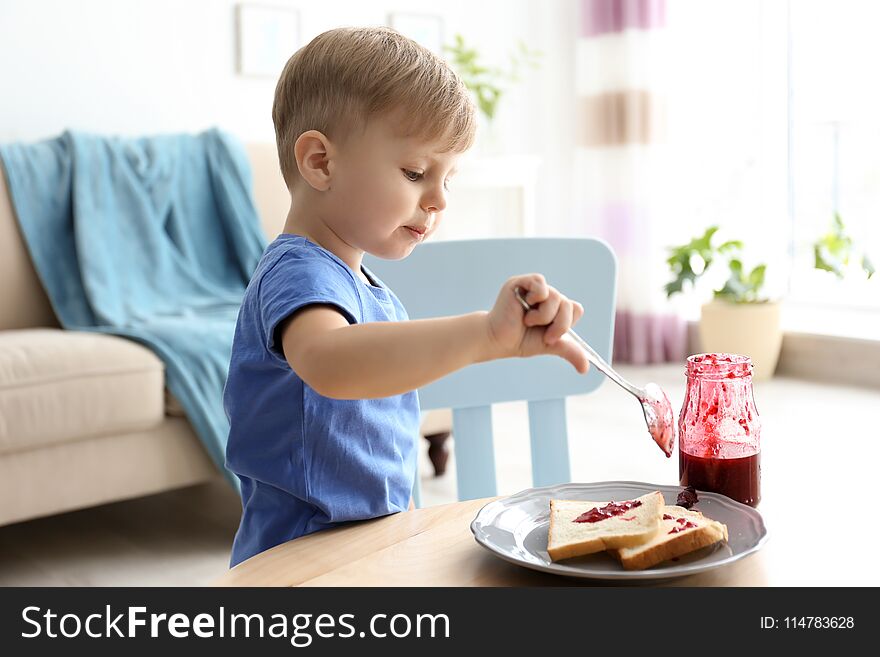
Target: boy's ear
[312,152]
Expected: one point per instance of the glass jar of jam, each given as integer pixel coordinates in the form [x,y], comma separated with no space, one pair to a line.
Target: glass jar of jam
[719,445]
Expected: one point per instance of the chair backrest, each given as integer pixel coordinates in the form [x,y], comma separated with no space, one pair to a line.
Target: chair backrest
[455,277]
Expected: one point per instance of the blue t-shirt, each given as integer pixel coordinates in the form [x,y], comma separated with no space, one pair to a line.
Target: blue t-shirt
[308,462]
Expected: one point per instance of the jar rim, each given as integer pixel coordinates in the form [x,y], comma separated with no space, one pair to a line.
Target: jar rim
[720,365]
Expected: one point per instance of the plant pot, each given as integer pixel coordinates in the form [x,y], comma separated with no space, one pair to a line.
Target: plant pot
[750,329]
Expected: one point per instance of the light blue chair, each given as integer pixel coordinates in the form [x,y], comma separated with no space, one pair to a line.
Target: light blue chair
[456,277]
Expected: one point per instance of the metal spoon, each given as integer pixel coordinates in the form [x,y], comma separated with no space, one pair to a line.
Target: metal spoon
[655,404]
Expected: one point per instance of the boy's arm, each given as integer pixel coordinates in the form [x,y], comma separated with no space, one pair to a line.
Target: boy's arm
[381,359]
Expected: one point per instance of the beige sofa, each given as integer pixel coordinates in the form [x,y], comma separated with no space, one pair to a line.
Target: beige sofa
[85,418]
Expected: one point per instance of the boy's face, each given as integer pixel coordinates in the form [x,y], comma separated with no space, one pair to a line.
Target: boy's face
[387,192]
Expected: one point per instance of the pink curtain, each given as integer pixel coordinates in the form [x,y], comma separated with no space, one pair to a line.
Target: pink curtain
[622,166]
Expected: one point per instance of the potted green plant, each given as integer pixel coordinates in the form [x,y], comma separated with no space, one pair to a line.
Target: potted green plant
[740,318]
[835,252]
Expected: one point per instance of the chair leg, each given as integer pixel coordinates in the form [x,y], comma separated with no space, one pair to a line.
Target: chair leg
[438,452]
[474,452]
[548,435]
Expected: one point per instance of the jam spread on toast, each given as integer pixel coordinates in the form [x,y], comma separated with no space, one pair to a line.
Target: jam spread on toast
[608,511]
[683,523]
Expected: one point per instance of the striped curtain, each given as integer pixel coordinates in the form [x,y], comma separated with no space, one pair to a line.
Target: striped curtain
[621,167]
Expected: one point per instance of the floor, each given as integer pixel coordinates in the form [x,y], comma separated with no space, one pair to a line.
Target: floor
[182,538]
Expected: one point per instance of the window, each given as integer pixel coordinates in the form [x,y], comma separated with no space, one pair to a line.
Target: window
[774,124]
[835,142]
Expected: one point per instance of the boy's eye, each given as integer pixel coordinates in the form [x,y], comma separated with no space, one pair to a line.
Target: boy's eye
[412,176]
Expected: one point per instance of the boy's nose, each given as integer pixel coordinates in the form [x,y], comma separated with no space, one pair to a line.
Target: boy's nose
[434,201]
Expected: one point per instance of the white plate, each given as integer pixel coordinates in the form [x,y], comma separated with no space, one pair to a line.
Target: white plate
[515,528]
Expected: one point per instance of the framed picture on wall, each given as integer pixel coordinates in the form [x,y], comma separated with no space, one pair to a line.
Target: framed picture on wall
[426,29]
[267,35]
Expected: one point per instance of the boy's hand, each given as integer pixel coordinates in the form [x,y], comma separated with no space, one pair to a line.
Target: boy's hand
[515,332]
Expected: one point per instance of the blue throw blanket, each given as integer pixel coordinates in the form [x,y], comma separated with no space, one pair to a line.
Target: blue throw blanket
[153,239]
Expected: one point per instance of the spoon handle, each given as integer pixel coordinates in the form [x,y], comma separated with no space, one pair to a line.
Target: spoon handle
[593,356]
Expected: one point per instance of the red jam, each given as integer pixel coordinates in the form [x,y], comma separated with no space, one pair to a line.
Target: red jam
[687,497]
[683,523]
[608,511]
[738,479]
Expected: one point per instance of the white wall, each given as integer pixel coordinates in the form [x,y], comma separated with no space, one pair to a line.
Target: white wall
[135,67]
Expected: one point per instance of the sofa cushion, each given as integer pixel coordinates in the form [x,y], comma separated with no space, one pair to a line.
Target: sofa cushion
[58,386]
[102,469]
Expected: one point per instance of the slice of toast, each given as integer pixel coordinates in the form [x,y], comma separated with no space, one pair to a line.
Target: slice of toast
[681,531]
[602,525]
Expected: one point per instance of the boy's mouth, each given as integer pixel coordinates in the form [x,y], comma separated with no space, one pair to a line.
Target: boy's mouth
[417,231]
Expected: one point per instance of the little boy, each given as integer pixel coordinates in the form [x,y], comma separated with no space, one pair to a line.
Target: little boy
[324,417]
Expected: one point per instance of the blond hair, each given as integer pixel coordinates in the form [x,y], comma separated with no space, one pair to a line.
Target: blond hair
[346,76]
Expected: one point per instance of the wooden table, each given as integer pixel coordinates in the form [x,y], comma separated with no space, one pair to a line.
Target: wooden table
[427,547]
